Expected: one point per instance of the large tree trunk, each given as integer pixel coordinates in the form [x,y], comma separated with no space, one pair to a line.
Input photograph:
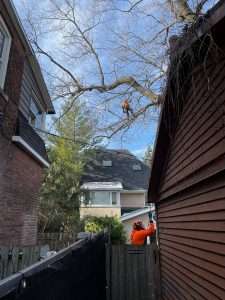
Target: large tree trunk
[182,10]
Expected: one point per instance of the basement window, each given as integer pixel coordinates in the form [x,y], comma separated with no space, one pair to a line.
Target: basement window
[107,163]
[5,44]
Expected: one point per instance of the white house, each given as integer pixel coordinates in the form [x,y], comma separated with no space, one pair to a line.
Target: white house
[115,182]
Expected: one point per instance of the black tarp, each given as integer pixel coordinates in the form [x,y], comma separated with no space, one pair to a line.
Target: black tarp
[77,272]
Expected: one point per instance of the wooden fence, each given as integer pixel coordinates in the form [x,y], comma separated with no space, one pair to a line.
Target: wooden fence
[15,259]
[132,272]
[12,260]
[76,272]
[56,241]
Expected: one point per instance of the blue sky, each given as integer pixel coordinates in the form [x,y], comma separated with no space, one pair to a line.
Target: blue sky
[140,136]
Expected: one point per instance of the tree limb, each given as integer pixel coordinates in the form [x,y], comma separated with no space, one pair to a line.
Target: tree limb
[124,123]
[41,51]
[131,7]
[73,20]
[200,6]
[182,10]
[126,80]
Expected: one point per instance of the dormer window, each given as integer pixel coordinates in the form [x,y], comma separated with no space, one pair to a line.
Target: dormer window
[136,167]
[107,163]
[5,44]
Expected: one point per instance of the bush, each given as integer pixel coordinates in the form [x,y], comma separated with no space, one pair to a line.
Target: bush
[113,224]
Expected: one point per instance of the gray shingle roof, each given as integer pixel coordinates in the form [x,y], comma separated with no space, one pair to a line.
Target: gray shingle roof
[121,169]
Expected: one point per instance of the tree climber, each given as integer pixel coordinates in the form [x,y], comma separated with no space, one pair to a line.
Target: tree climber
[126,108]
[140,233]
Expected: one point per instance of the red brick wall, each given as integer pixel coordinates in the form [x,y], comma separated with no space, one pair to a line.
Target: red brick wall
[20,175]
[20,182]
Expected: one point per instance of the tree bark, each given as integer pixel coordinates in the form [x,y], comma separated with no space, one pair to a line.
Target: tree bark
[182,10]
[127,80]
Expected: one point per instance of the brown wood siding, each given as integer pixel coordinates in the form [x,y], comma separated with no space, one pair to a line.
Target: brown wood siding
[188,170]
[132,200]
[191,195]
[199,138]
[192,243]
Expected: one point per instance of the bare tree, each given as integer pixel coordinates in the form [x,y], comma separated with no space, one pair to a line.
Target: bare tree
[106,51]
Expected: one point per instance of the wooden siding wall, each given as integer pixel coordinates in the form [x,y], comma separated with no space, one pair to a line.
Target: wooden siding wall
[132,200]
[199,138]
[191,203]
[27,89]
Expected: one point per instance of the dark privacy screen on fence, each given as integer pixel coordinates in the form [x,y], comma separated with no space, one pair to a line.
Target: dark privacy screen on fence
[75,273]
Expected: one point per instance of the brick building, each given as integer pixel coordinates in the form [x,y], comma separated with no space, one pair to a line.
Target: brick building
[24,103]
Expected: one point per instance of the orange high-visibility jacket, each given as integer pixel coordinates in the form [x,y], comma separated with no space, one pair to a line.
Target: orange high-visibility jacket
[125,104]
[138,237]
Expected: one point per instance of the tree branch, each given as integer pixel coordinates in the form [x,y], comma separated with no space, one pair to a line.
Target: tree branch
[126,80]
[182,10]
[131,7]
[124,123]
[73,20]
[82,33]
[41,51]
[200,6]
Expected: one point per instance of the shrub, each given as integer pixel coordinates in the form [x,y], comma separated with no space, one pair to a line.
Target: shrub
[113,224]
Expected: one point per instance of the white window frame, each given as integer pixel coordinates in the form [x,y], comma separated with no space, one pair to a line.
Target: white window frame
[107,163]
[104,205]
[137,167]
[5,54]
[34,99]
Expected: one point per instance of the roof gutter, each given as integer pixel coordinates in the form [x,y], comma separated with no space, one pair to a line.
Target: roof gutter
[136,213]
[28,148]
[133,191]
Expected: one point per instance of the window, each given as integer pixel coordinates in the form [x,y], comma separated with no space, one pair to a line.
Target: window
[107,163]
[114,198]
[99,198]
[136,167]
[5,44]
[37,116]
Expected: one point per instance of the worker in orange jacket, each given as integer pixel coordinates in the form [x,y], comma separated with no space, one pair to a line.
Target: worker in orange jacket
[139,233]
